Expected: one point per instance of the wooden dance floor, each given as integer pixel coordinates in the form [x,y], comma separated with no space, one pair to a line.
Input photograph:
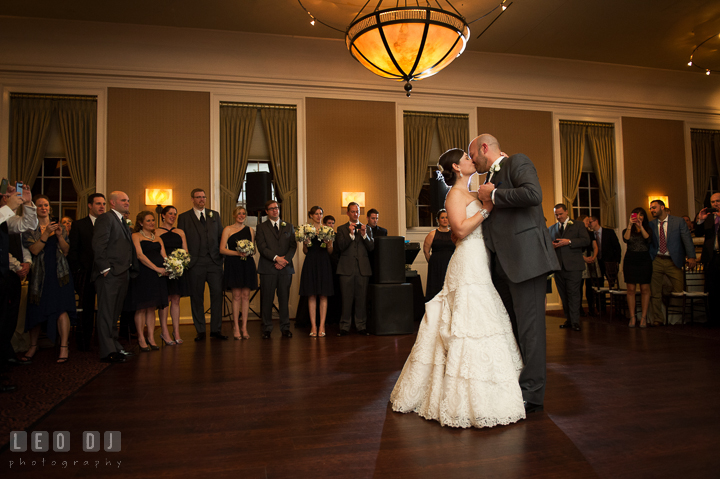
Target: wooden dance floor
[620,403]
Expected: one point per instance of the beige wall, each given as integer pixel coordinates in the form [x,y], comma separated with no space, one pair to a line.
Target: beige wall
[351,147]
[528,132]
[654,152]
[158,139]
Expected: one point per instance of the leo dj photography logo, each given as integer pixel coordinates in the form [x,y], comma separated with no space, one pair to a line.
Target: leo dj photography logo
[60,441]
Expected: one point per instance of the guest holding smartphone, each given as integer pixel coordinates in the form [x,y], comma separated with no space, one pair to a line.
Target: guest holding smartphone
[637,267]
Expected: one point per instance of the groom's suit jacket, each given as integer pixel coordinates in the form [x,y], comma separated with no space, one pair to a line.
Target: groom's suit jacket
[515,230]
[271,243]
[194,230]
[112,246]
[570,257]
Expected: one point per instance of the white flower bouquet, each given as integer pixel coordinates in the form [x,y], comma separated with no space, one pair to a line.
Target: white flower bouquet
[245,246]
[325,233]
[176,263]
[305,232]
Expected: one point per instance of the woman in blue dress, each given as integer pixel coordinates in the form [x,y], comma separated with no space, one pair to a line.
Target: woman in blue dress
[51,295]
[173,239]
[316,280]
[240,275]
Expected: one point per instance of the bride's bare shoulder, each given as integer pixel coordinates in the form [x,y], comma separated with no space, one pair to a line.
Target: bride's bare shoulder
[459,197]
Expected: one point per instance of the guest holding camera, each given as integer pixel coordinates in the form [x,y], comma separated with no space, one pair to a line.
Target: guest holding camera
[638,267]
[51,295]
[707,226]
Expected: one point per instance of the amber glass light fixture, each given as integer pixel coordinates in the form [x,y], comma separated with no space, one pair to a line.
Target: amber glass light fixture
[158,196]
[662,198]
[407,43]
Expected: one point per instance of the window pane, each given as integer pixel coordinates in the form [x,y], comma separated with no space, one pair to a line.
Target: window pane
[584,197]
[52,188]
[52,166]
[68,191]
[54,211]
[595,197]
[37,187]
[593,180]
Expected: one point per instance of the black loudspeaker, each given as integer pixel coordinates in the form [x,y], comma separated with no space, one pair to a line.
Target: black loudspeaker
[389,260]
[438,192]
[258,191]
[390,309]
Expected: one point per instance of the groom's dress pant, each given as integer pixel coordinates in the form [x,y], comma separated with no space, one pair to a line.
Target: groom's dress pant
[206,271]
[525,304]
[111,290]
[569,285]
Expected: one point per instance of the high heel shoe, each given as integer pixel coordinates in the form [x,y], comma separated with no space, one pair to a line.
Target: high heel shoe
[28,359]
[65,359]
[153,347]
[643,320]
[631,324]
[177,341]
[166,343]
[321,334]
[313,335]
[145,349]
[245,336]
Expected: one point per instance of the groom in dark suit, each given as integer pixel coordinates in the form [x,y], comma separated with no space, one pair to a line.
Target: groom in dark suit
[276,244]
[203,230]
[521,253]
[114,257]
[569,239]
[81,261]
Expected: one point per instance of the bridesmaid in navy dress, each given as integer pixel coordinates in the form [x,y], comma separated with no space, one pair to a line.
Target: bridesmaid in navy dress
[240,272]
[438,249]
[148,291]
[317,278]
[173,239]
[51,296]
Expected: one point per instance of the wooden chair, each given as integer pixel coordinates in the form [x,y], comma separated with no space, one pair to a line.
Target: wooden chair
[693,294]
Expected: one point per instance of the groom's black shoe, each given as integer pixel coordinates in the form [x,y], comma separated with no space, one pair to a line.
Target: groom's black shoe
[530,407]
[576,327]
[200,337]
[565,325]
[218,335]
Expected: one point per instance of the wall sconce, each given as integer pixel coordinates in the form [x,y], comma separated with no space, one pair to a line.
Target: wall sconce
[158,196]
[353,196]
[664,199]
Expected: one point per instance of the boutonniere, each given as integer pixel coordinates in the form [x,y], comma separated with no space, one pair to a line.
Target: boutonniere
[570,222]
[128,222]
[210,214]
[283,224]
[496,168]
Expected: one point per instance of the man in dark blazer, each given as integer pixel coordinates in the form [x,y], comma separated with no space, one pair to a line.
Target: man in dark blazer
[114,257]
[609,251]
[708,226]
[276,244]
[669,249]
[569,239]
[521,253]
[372,221]
[81,261]
[203,230]
[354,241]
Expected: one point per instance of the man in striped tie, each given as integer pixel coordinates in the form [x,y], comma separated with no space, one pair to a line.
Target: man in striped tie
[671,246]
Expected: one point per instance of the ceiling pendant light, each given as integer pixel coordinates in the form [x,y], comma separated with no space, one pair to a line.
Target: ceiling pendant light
[408,43]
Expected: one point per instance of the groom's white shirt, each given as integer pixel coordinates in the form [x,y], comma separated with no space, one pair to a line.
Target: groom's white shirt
[491,173]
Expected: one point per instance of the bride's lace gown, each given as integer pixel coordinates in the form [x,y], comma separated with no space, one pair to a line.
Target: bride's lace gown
[463,370]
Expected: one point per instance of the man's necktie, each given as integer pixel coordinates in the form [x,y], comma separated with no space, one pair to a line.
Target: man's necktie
[277,228]
[663,242]
[202,218]
[562,229]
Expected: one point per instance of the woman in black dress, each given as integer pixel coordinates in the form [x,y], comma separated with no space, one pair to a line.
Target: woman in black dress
[51,295]
[317,278]
[148,291]
[240,272]
[438,249]
[637,267]
[173,239]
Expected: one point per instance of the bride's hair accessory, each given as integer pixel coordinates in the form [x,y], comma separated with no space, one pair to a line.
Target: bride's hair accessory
[440,168]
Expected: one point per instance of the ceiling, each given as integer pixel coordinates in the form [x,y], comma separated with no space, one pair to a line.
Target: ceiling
[646,33]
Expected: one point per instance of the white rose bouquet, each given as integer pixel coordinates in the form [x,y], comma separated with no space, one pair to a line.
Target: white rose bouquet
[176,263]
[247,247]
[305,232]
[325,233]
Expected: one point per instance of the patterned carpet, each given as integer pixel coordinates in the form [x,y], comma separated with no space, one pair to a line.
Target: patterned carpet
[42,386]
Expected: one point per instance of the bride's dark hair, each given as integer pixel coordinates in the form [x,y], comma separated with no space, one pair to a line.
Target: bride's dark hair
[447,159]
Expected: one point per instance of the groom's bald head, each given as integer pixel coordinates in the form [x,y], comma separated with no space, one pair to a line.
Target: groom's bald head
[483,151]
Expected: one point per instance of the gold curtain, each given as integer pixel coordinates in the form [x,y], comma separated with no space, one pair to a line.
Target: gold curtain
[602,154]
[702,150]
[236,131]
[418,141]
[453,133]
[78,127]
[572,149]
[280,127]
[30,119]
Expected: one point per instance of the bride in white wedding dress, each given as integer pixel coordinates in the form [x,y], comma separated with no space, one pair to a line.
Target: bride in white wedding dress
[464,367]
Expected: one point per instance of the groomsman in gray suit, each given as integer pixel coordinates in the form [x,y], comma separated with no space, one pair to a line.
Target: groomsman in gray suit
[276,244]
[203,230]
[114,257]
[521,253]
[569,240]
[354,241]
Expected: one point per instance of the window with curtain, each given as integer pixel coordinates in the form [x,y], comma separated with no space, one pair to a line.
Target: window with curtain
[54,181]
[705,145]
[427,136]
[252,167]
[587,156]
